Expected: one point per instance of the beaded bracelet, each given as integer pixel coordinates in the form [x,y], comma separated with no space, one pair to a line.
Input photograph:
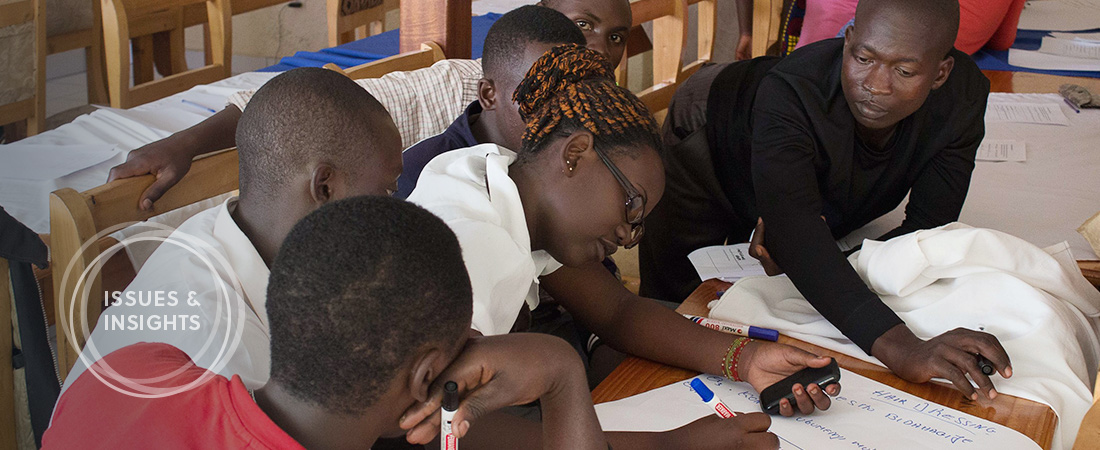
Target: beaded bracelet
[733,356]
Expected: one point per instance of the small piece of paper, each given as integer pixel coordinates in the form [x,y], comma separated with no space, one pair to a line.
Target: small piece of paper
[725,262]
[1002,150]
[1040,113]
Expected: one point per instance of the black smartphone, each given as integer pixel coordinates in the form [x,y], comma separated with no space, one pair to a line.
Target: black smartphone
[824,376]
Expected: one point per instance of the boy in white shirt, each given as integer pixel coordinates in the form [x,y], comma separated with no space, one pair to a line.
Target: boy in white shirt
[294,157]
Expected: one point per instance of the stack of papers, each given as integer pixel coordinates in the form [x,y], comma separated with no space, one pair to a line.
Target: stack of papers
[1061,51]
[1060,15]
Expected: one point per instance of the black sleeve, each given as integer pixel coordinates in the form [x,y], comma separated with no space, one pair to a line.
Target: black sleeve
[940,189]
[788,199]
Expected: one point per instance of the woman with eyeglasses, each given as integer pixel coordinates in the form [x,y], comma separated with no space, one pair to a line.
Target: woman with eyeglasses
[580,186]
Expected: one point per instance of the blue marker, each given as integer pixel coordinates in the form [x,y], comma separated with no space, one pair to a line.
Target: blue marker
[197,105]
[767,334]
[710,399]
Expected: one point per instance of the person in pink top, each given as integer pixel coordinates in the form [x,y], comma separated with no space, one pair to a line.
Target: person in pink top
[982,23]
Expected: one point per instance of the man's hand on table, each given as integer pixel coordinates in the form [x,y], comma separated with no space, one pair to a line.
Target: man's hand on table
[951,355]
[757,250]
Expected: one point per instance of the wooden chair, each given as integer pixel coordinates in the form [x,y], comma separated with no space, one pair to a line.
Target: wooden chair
[707,25]
[349,20]
[120,24]
[669,18]
[77,217]
[670,30]
[63,37]
[25,72]
[765,25]
[429,53]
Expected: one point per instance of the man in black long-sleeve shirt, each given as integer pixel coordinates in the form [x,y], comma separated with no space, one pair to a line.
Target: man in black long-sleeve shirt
[841,130]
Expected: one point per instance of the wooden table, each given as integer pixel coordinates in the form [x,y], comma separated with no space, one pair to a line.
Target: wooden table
[636,375]
[1035,83]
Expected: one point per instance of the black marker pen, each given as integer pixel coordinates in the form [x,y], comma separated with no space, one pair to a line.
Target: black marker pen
[447,439]
[985,365]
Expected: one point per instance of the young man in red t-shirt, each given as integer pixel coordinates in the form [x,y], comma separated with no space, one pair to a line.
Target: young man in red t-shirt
[369,304]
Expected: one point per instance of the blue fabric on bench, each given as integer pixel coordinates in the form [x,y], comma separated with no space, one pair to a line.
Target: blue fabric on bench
[375,47]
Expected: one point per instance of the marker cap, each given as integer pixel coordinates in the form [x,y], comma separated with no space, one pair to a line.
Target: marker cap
[764,333]
[701,388]
[450,396]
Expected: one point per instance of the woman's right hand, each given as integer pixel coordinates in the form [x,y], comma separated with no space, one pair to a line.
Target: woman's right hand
[744,431]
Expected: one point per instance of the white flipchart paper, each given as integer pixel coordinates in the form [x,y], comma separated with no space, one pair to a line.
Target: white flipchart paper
[866,415]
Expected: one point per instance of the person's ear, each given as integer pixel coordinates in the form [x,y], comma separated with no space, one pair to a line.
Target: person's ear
[848,35]
[423,372]
[572,149]
[487,94]
[943,71]
[322,185]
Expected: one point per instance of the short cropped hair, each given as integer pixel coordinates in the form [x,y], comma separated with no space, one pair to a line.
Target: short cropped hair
[301,115]
[358,287]
[509,36]
[939,17]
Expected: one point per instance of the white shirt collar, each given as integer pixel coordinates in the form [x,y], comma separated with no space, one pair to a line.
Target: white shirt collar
[242,256]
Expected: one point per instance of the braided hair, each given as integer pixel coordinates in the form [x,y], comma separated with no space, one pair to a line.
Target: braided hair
[572,88]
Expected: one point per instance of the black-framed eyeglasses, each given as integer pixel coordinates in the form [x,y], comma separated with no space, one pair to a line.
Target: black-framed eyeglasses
[635,202]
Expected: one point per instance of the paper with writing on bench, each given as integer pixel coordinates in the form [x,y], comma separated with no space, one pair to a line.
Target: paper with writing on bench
[1002,150]
[725,262]
[1040,113]
[866,415]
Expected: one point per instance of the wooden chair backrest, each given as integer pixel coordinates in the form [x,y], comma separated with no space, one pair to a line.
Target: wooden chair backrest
[349,20]
[429,53]
[707,25]
[126,19]
[765,25]
[91,40]
[669,18]
[32,109]
[77,218]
